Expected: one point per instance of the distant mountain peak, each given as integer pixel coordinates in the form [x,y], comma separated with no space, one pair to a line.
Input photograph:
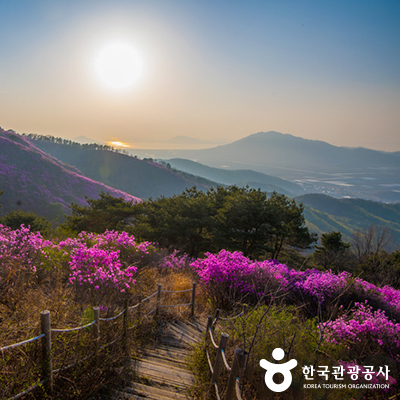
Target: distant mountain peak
[181,139]
[85,140]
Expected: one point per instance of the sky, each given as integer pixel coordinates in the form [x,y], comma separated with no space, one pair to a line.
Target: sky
[212,69]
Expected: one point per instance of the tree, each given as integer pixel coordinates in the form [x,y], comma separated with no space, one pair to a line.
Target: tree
[106,212]
[233,218]
[181,221]
[375,261]
[333,253]
[243,220]
[289,225]
[14,220]
[372,241]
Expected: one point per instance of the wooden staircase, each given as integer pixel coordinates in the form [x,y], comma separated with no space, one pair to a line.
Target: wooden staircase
[161,372]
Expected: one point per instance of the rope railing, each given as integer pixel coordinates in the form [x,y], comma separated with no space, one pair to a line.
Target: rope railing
[175,305]
[228,368]
[237,389]
[13,346]
[176,291]
[212,337]
[56,371]
[112,318]
[235,371]
[230,318]
[47,381]
[78,328]
[148,298]
[19,395]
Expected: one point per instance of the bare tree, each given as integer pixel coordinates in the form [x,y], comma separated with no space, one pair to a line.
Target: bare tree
[373,241]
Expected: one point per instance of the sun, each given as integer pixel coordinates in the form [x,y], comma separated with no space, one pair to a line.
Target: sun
[119,66]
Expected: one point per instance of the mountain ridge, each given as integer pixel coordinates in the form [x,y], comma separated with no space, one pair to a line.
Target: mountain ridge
[35,181]
[316,165]
[237,177]
[142,178]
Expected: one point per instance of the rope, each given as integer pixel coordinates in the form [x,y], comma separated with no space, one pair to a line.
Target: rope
[236,316]
[177,291]
[212,339]
[132,307]
[147,298]
[73,365]
[217,391]
[176,305]
[112,318]
[151,312]
[209,362]
[224,360]
[238,394]
[114,341]
[21,343]
[28,390]
[74,329]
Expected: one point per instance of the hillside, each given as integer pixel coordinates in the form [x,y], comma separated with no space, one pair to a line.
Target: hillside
[325,214]
[238,177]
[318,166]
[290,155]
[142,178]
[34,181]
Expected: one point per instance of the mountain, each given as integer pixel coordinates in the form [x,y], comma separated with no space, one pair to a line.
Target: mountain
[85,140]
[316,165]
[326,214]
[186,140]
[191,140]
[292,156]
[34,181]
[253,179]
[142,178]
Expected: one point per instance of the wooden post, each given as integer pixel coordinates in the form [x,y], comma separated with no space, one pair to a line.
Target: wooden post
[96,331]
[47,371]
[158,299]
[140,307]
[209,325]
[219,362]
[238,363]
[125,334]
[193,299]
[217,312]
[125,326]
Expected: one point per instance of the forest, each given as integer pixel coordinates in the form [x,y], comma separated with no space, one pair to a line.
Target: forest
[325,301]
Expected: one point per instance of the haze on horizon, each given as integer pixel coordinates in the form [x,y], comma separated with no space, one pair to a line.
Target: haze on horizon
[214,70]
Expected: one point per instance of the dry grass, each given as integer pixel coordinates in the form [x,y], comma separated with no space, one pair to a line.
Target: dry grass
[24,298]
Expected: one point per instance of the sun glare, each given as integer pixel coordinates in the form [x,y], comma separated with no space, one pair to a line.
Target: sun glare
[118,144]
[119,66]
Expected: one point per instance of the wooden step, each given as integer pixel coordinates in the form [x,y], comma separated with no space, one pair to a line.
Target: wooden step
[181,335]
[158,359]
[163,374]
[172,353]
[187,330]
[198,324]
[119,395]
[155,392]
[190,328]
[173,341]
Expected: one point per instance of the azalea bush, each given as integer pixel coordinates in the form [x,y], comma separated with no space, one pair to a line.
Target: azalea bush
[364,328]
[228,278]
[104,264]
[318,318]
[96,265]
[69,277]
